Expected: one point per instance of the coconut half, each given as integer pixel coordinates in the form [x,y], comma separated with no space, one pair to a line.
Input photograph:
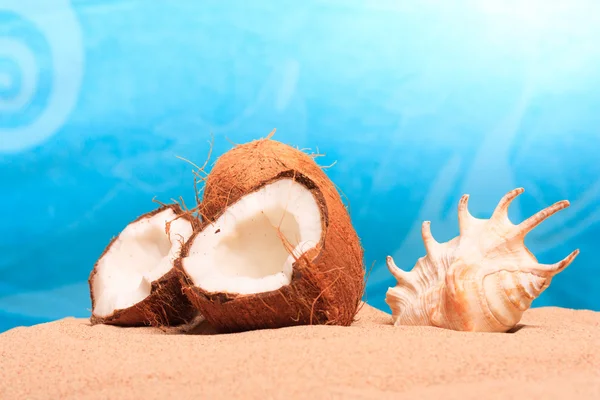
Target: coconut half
[134,282]
[280,251]
[252,247]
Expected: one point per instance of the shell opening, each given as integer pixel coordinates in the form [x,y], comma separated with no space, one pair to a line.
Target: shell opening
[142,253]
[252,247]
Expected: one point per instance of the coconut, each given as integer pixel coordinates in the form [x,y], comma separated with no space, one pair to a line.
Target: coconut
[134,283]
[277,247]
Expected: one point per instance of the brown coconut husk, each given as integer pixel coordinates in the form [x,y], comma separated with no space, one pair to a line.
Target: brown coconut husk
[166,305]
[327,283]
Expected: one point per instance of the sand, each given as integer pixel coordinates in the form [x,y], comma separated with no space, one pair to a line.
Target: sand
[556,355]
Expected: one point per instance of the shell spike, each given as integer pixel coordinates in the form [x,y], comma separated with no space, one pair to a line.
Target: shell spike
[530,223]
[464,216]
[431,244]
[501,211]
[553,269]
[400,275]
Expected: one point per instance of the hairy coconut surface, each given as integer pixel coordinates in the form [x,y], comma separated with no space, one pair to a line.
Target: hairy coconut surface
[134,282]
[315,283]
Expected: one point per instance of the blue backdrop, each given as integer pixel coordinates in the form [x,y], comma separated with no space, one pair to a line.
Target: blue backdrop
[418,102]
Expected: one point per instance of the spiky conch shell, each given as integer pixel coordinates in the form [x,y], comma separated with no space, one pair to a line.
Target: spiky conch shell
[166,305]
[327,281]
[483,280]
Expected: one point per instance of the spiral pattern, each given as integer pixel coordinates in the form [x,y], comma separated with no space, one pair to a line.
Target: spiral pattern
[41,67]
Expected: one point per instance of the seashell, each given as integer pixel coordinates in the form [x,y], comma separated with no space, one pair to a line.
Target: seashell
[482,280]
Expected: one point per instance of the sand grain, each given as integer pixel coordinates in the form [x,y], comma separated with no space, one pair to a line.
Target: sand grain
[556,354]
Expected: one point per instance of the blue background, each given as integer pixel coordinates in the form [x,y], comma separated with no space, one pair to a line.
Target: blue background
[417,101]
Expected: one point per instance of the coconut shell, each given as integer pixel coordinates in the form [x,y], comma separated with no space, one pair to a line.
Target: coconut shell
[166,305]
[327,282]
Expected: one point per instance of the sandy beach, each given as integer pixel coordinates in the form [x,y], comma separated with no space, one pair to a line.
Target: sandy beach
[555,354]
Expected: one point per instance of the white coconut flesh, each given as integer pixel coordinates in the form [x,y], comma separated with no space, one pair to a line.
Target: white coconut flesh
[252,247]
[142,253]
